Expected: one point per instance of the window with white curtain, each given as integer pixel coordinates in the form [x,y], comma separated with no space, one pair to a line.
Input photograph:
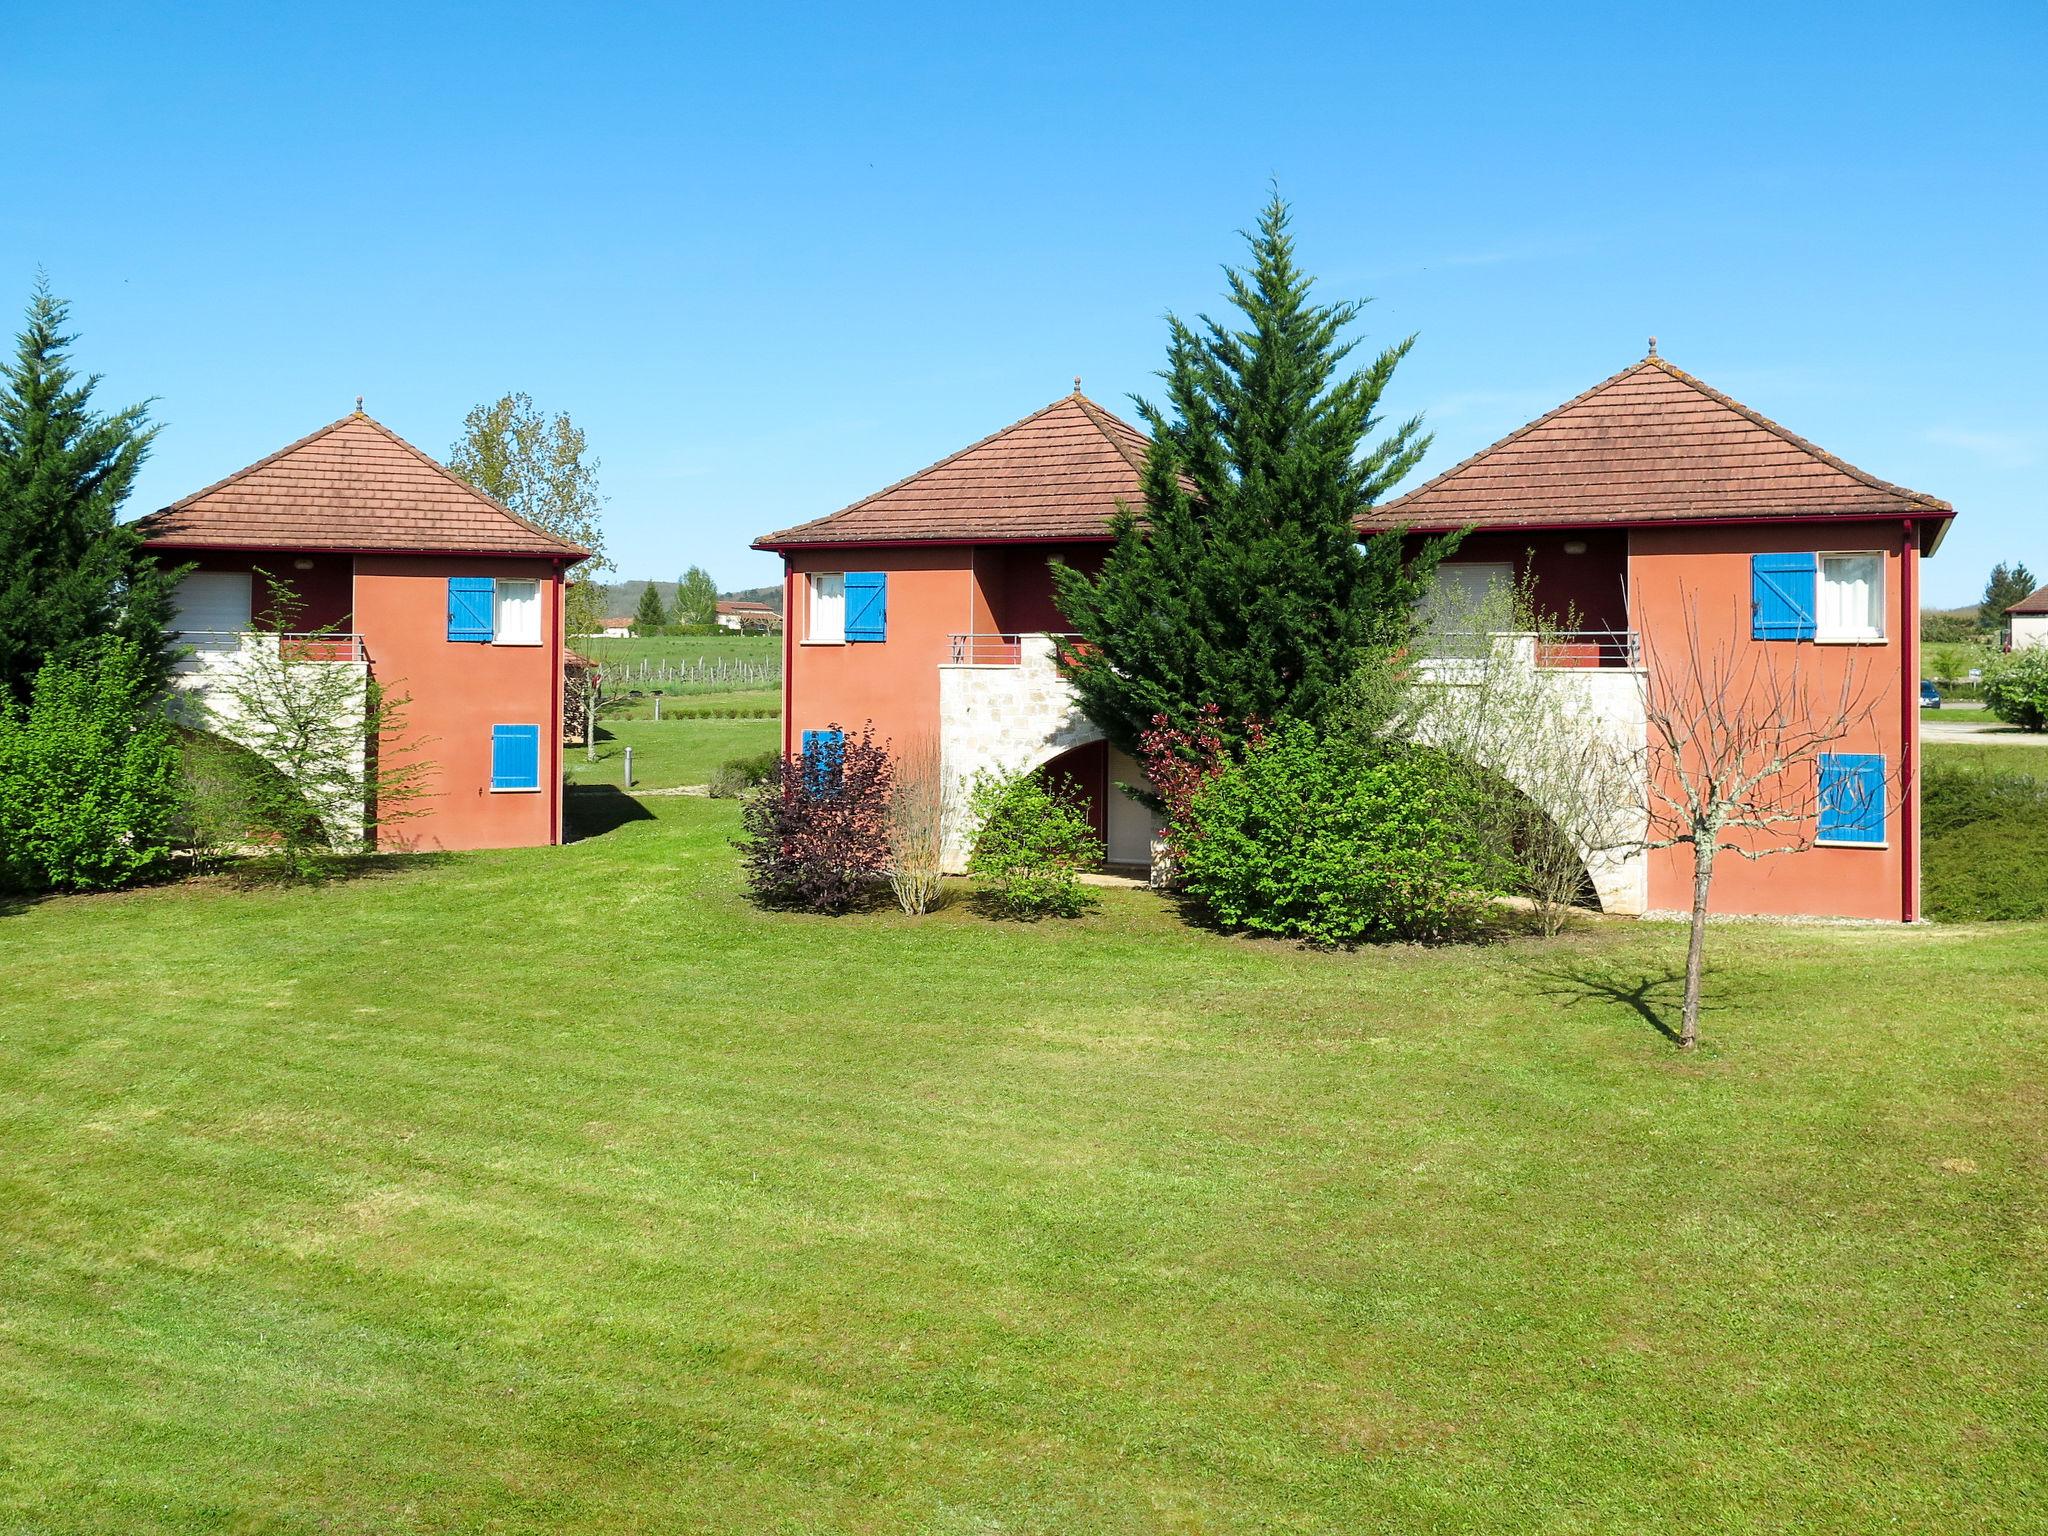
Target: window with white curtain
[517,612]
[1851,598]
[828,608]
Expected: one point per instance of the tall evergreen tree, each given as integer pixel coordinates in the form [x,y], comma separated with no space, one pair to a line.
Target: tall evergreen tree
[650,616]
[696,597]
[2007,585]
[1242,583]
[71,574]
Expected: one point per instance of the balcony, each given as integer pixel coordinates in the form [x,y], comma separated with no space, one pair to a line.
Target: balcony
[1004,706]
[201,647]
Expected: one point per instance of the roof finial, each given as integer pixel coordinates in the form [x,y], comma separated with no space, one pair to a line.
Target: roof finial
[1077,383]
[359,398]
[1653,346]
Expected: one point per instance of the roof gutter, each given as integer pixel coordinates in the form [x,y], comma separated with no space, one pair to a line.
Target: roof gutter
[773,545]
[565,557]
[1940,519]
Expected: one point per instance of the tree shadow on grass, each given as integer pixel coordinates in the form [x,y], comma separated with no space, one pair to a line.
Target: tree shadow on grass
[592,810]
[1651,995]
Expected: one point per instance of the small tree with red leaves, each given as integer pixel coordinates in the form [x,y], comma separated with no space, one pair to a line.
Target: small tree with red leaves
[817,834]
[1180,762]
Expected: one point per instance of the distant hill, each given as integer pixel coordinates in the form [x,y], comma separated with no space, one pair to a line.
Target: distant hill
[621,598]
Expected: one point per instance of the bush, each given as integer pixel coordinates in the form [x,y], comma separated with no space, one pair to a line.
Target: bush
[1986,854]
[88,777]
[1032,840]
[2016,688]
[817,836]
[1988,871]
[1312,839]
[735,776]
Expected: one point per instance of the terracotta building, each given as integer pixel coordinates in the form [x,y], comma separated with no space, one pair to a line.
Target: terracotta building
[928,608]
[409,576]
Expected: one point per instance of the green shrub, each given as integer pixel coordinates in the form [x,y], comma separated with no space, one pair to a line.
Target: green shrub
[2016,688]
[735,776]
[1311,839]
[88,777]
[1954,797]
[1032,840]
[1987,871]
[1985,858]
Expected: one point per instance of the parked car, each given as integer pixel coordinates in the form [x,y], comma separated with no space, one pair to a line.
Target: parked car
[1930,696]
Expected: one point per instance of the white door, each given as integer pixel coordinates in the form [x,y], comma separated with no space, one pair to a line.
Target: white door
[211,603]
[1130,825]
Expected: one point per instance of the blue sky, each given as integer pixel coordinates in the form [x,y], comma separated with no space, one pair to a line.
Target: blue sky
[772,259]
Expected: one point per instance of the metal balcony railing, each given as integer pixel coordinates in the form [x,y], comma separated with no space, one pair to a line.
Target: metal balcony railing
[1558,651]
[998,650]
[317,646]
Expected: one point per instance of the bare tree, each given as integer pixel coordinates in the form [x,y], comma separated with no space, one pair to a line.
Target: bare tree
[1736,734]
[919,811]
[1560,789]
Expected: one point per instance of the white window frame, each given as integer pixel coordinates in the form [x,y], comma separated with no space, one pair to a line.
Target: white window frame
[812,604]
[498,586]
[1821,636]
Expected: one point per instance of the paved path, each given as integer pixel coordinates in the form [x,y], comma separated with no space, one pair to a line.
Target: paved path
[1977,733]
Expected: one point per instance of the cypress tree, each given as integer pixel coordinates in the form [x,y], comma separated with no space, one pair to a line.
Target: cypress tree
[650,617]
[1243,584]
[71,574]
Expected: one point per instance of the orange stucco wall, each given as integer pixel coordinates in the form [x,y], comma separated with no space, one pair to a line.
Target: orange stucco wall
[459,691]
[1708,568]
[893,682]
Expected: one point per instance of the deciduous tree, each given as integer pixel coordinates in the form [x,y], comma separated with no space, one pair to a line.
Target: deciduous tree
[542,468]
[1736,734]
[696,597]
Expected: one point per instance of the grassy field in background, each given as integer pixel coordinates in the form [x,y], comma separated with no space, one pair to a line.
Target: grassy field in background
[681,648]
[1967,714]
[559,1189]
[670,754]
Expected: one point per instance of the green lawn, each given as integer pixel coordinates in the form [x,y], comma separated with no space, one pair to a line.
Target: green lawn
[557,1189]
[2002,757]
[669,753]
[1969,714]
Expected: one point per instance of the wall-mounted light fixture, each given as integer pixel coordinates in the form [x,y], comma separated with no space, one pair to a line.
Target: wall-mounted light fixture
[303,564]
[1575,546]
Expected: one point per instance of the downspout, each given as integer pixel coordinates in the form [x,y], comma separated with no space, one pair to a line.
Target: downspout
[788,648]
[556,692]
[1909,727]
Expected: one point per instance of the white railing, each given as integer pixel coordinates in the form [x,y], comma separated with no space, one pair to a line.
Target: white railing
[319,645]
[1561,650]
[997,649]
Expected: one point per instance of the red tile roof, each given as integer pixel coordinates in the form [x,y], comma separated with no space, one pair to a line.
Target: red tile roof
[1057,474]
[1650,445]
[356,485]
[2034,602]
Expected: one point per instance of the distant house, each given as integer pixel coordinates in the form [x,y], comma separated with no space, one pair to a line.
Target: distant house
[2026,622]
[417,581]
[928,607]
[736,613]
[616,628]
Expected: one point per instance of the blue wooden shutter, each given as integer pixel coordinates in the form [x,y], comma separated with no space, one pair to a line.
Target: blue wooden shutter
[1781,596]
[515,757]
[1851,797]
[824,759]
[867,605]
[469,609]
